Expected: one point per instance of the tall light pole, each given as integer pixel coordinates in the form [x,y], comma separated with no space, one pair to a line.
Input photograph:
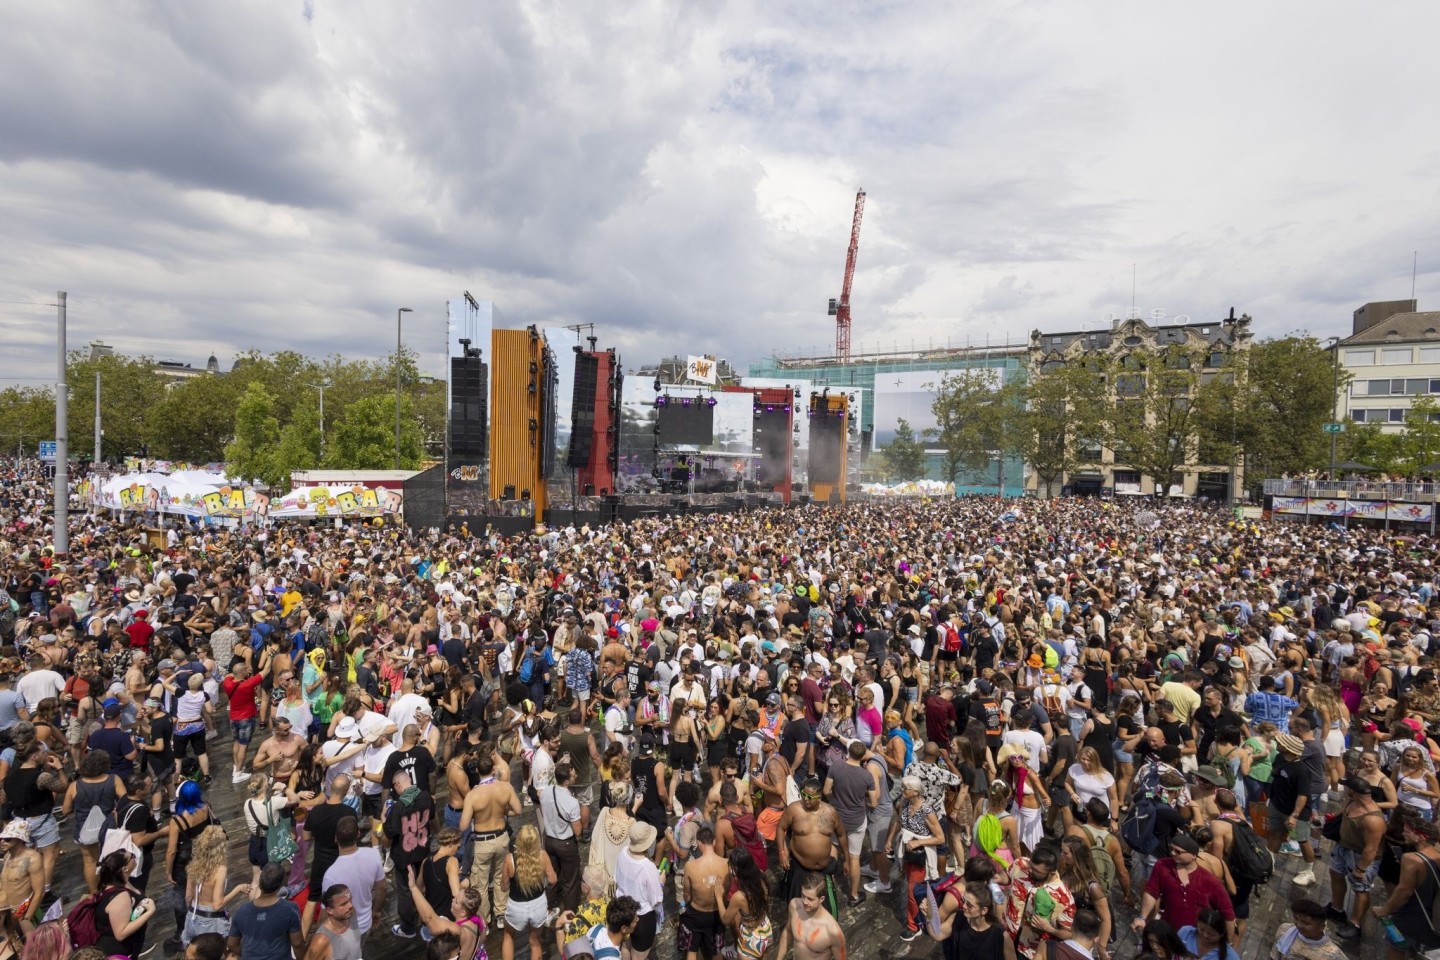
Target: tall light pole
[398,314]
[62,435]
[1335,390]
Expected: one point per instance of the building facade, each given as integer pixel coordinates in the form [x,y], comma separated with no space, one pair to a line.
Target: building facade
[1393,358]
[1103,470]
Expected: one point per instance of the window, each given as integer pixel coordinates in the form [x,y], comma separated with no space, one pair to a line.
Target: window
[1397,414]
[1129,384]
[1416,387]
[1177,361]
[1357,415]
[1359,358]
[1360,388]
[1055,341]
[1089,454]
[1216,359]
[1397,355]
[1430,354]
[1127,476]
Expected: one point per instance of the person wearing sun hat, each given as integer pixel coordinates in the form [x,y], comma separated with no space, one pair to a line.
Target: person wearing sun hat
[637,877]
[1290,799]
[22,875]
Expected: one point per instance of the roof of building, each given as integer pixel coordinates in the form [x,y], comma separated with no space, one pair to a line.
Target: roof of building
[1424,325]
[1136,332]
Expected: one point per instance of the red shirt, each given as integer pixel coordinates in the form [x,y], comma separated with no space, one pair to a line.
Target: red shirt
[939,719]
[242,696]
[1180,904]
[140,633]
[814,698]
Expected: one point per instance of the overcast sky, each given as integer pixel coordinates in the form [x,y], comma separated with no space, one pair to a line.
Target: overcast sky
[214,177]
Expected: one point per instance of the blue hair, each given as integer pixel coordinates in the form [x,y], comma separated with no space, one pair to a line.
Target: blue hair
[190,798]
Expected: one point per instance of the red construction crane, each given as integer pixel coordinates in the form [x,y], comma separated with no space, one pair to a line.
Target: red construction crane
[841,310]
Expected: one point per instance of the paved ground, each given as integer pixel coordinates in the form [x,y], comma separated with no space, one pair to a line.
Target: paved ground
[873,928]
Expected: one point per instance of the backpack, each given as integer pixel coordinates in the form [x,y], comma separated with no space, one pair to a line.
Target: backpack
[81,920]
[1051,700]
[1249,859]
[1100,857]
[993,723]
[1138,827]
[527,667]
[950,639]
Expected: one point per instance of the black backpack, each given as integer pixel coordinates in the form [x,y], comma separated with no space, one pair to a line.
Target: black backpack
[1250,860]
[1138,827]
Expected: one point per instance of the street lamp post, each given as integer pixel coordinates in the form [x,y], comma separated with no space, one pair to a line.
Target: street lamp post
[1335,391]
[398,314]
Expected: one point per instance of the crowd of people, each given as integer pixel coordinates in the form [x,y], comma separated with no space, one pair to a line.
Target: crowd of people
[1034,729]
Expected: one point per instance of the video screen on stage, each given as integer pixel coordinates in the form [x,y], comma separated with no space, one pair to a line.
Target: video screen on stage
[682,423]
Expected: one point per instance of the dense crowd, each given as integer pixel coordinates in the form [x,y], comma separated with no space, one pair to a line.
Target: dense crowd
[1036,729]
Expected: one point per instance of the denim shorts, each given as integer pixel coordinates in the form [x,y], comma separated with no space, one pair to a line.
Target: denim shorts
[1343,861]
[44,830]
[244,730]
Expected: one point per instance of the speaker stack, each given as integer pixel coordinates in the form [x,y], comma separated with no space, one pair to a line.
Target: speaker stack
[469,417]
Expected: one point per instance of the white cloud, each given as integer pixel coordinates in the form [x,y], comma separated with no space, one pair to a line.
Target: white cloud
[285,175]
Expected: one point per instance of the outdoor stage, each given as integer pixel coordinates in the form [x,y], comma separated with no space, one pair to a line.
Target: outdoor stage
[512,517]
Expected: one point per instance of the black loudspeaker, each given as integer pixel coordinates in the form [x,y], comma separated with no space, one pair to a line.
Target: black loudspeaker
[582,410]
[508,493]
[469,416]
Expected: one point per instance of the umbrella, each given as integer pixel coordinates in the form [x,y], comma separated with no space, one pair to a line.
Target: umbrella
[1430,468]
[1350,466]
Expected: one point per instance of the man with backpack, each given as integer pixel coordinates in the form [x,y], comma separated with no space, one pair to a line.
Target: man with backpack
[1154,816]
[1237,845]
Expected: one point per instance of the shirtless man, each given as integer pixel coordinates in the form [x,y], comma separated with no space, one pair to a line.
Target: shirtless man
[729,773]
[735,825]
[700,930]
[486,807]
[279,755]
[22,881]
[809,832]
[816,933]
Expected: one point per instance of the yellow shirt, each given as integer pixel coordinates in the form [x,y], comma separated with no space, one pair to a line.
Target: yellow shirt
[1184,698]
[289,600]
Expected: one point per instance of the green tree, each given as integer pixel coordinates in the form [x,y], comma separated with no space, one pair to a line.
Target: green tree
[905,456]
[27,416]
[1420,443]
[1159,410]
[967,416]
[1277,405]
[194,420]
[1053,419]
[1370,444]
[251,455]
[129,391]
[364,437]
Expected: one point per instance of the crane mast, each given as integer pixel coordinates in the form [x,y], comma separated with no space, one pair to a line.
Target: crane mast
[841,310]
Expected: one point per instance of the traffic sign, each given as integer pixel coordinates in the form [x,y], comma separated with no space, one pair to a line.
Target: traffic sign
[1334,428]
[47,449]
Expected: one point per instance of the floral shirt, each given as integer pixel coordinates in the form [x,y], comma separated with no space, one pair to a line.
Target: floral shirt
[1022,906]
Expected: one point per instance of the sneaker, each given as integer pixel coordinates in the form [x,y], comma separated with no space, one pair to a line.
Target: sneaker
[875,886]
[400,932]
[1348,931]
[207,780]
[239,776]
[1339,916]
[855,901]
[909,935]
[1305,877]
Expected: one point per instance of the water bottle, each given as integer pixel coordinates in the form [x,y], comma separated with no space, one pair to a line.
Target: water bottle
[1393,936]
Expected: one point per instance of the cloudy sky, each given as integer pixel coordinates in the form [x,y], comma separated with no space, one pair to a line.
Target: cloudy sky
[212,177]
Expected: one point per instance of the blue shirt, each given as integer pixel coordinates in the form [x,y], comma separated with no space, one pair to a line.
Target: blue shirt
[1275,707]
[264,932]
[1190,938]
